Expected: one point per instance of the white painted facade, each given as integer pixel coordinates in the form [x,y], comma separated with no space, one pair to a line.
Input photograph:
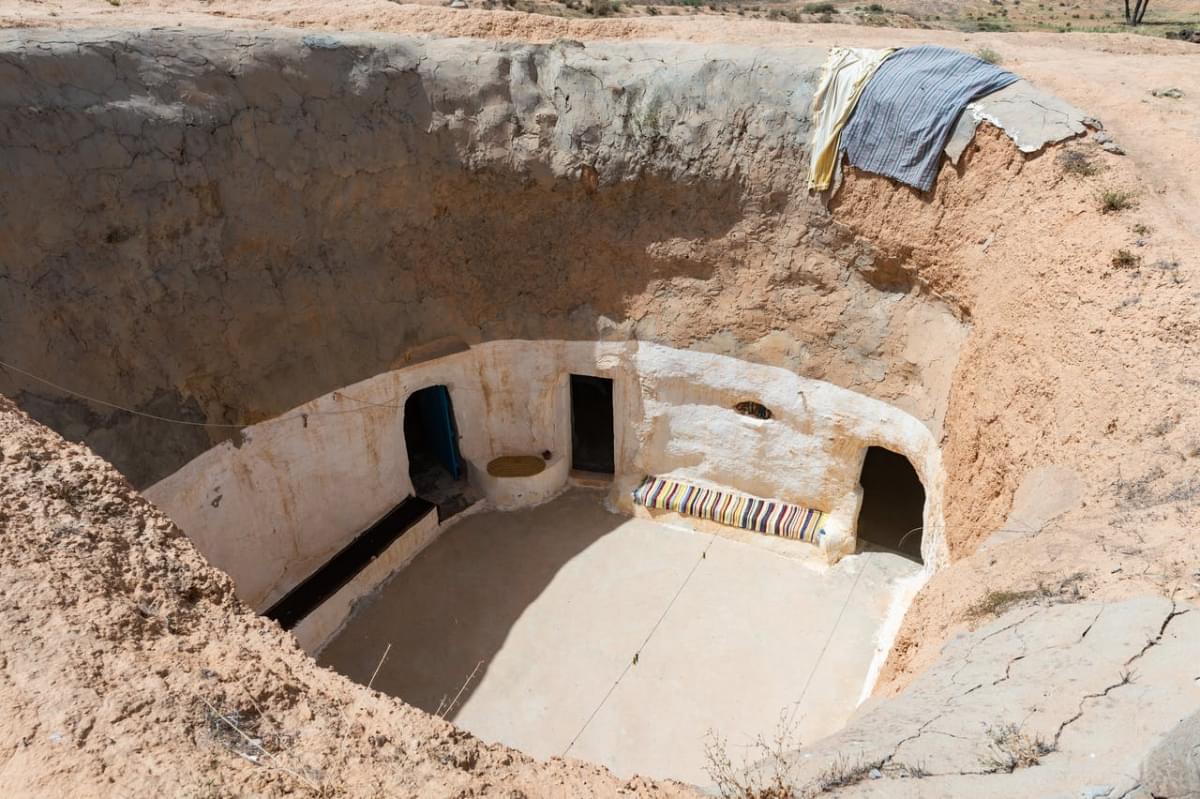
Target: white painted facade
[298,488]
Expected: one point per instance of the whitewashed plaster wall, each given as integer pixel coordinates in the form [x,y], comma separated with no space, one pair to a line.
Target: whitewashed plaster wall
[272,509]
[298,488]
[810,452]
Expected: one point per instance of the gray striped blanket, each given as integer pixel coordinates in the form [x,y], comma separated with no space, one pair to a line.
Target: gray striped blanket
[910,106]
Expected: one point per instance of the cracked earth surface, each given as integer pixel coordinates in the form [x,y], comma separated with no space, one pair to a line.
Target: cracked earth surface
[1082,678]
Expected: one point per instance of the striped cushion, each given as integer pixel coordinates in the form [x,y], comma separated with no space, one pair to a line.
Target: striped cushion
[736,510]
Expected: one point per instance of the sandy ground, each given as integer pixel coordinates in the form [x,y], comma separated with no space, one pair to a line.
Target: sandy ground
[952,15]
[552,603]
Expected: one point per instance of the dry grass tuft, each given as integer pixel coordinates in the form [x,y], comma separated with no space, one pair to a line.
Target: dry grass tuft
[994,603]
[1011,748]
[842,773]
[781,781]
[989,55]
[1115,200]
[1079,163]
[246,734]
[1124,259]
[734,783]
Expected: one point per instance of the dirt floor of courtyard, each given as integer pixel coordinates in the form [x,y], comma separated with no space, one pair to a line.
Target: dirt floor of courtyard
[516,627]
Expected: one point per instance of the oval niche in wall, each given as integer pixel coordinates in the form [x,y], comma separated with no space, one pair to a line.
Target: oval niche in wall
[754,409]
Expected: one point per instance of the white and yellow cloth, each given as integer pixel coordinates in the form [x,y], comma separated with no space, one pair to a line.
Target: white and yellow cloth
[842,81]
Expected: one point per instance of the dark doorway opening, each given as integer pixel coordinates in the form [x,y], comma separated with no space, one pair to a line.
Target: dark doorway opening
[434,463]
[592,424]
[893,506]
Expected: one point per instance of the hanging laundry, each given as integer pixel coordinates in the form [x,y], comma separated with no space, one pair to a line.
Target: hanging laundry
[909,107]
[842,80]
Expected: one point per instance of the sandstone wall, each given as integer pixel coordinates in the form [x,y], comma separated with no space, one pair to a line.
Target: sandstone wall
[218,227]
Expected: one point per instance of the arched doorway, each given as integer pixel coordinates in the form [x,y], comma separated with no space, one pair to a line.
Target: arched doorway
[893,506]
[434,463]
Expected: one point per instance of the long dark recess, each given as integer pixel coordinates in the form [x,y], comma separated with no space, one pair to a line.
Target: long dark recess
[342,567]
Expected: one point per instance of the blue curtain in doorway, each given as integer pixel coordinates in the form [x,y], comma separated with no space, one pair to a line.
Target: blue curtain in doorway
[443,435]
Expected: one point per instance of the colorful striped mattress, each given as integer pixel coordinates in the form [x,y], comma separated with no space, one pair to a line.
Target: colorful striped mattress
[736,510]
